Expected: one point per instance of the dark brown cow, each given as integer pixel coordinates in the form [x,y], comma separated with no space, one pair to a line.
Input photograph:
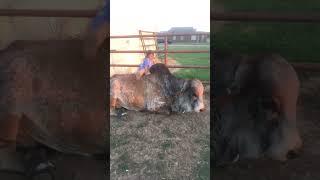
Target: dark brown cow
[256,98]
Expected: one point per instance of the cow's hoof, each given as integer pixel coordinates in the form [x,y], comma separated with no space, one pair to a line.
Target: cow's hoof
[43,170]
[121,113]
[236,158]
[113,112]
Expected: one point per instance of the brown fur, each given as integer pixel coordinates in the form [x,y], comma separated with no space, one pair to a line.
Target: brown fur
[56,95]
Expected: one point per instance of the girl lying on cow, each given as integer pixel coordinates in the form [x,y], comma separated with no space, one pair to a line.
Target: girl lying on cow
[145,66]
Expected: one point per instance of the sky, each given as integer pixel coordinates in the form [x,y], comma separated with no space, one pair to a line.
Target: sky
[128,16]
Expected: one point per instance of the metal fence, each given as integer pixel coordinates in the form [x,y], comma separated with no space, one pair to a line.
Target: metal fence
[48,13]
[272,17]
[165,51]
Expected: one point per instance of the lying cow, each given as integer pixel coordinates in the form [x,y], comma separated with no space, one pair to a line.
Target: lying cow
[52,95]
[159,91]
[256,99]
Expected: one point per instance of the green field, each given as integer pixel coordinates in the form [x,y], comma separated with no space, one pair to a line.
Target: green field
[299,42]
[200,59]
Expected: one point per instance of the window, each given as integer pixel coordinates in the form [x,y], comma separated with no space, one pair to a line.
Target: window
[193,37]
[174,38]
[181,38]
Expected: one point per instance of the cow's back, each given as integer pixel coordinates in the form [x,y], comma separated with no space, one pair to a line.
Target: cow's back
[146,93]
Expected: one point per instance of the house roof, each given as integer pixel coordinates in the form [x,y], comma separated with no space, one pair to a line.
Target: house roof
[182,30]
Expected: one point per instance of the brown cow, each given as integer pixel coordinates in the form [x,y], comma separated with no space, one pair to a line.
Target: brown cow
[159,91]
[51,94]
[259,117]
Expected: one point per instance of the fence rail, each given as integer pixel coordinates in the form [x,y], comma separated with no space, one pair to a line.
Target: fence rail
[160,51]
[158,35]
[265,17]
[48,13]
[307,66]
[169,66]
[165,51]
[273,17]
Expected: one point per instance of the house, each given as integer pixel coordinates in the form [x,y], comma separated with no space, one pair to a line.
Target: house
[190,35]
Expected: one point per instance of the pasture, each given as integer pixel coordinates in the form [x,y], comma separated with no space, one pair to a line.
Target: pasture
[200,59]
[155,146]
[297,42]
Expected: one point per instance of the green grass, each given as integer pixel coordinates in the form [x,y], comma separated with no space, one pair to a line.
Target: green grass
[200,59]
[297,42]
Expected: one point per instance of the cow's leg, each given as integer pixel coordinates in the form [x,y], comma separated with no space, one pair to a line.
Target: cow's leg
[115,88]
[113,102]
[248,144]
[9,125]
[9,158]
[285,137]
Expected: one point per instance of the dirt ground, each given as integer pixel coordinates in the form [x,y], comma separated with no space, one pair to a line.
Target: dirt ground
[146,146]
[304,167]
[67,168]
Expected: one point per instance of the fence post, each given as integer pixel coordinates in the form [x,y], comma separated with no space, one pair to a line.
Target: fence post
[166,50]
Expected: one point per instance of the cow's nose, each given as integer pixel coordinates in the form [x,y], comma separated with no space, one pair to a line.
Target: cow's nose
[203,109]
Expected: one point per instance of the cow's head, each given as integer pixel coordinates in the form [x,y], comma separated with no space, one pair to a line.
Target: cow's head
[242,128]
[189,98]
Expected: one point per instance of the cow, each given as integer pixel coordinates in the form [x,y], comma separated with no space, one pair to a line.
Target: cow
[255,101]
[52,95]
[160,91]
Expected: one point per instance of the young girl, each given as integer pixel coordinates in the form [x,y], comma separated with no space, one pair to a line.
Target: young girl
[144,67]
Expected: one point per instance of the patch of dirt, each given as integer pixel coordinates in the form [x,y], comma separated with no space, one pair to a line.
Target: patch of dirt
[145,145]
[304,167]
